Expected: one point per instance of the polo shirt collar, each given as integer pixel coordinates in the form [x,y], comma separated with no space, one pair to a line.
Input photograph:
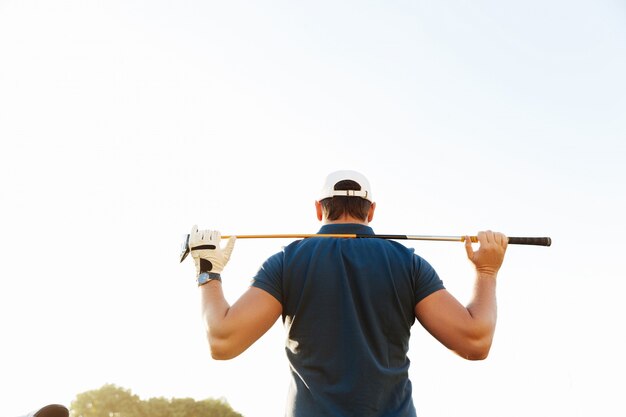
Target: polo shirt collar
[350,228]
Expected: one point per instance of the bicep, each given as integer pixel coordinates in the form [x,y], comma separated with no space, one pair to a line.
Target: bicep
[446,319]
[249,318]
[254,313]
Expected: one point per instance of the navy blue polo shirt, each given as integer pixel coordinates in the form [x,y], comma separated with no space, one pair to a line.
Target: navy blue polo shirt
[348,307]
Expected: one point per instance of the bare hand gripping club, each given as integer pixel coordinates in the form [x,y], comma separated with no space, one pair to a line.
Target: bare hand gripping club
[536,241]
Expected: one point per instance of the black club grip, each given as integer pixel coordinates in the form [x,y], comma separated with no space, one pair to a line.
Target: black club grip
[538,241]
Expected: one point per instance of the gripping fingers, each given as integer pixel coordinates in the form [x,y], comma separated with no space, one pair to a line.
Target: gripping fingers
[197,236]
[214,236]
[468,247]
[500,239]
[489,237]
[203,239]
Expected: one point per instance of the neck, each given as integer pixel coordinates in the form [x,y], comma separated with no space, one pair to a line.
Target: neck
[344,220]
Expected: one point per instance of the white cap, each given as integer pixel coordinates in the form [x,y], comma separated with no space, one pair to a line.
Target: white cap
[328,190]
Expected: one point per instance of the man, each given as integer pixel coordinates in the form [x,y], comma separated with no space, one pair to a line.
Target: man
[347,306]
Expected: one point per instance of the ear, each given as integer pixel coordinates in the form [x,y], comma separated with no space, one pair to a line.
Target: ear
[370,214]
[318,210]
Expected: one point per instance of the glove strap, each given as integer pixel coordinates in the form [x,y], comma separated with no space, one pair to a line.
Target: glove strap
[205,277]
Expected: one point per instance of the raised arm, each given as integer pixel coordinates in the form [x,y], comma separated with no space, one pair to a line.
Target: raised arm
[230,329]
[468,330]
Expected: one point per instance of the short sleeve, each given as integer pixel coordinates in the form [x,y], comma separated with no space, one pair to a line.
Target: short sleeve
[269,277]
[426,279]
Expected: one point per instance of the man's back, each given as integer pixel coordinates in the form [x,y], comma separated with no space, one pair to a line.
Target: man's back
[348,306]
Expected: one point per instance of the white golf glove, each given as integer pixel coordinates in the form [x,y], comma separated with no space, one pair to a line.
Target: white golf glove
[208,255]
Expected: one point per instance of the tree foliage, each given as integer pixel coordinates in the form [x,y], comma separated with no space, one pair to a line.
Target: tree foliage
[113,401]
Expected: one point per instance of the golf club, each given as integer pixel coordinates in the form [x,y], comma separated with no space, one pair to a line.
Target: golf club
[536,241]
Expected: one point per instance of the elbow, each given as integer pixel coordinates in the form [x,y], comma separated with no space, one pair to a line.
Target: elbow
[477,345]
[220,341]
[473,354]
[221,356]
[221,349]
[477,354]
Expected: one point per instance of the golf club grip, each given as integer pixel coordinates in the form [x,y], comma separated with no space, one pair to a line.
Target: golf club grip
[537,241]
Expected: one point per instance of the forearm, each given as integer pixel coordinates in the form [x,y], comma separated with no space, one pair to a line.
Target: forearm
[484,312]
[214,310]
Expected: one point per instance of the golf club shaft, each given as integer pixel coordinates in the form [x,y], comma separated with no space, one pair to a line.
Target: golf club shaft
[537,241]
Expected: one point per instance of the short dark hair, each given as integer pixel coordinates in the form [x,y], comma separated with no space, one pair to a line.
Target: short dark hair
[335,207]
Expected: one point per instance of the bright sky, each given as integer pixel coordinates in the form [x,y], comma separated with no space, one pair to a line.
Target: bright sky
[123,123]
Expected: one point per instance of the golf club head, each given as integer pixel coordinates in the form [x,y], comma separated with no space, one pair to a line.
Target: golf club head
[184,248]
